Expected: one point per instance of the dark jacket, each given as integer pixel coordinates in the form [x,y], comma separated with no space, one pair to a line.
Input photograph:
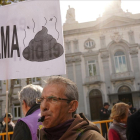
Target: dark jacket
[133,126]
[104,114]
[132,110]
[11,126]
[80,129]
[22,131]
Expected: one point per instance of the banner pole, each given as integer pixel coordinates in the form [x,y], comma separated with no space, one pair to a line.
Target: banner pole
[6,109]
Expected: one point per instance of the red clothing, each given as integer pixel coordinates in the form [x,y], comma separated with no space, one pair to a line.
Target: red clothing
[113,135]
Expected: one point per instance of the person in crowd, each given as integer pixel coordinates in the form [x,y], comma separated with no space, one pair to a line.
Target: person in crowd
[104,115]
[1,124]
[133,126]
[119,114]
[114,104]
[132,109]
[11,125]
[58,105]
[119,101]
[26,128]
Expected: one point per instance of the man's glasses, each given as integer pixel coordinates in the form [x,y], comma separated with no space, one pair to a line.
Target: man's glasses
[51,99]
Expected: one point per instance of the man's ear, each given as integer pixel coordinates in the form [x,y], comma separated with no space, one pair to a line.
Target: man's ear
[73,105]
[24,103]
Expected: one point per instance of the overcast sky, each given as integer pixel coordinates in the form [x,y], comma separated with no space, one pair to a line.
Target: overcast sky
[89,10]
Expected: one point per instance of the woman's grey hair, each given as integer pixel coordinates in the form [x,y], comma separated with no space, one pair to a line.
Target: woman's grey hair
[71,91]
[29,94]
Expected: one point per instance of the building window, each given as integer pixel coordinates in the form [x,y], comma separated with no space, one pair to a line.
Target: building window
[0,109]
[17,82]
[17,111]
[35,80]
[92,68]
[89,44]
[120,62]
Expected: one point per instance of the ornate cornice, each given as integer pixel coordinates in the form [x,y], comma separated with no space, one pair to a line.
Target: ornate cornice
[104,53]
[73,54]
[90,53]
[129,75]
[116,37]
[133,49]
[73,57]
[102,37]
[92,80]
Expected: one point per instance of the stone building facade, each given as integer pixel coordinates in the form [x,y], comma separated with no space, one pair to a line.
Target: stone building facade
[102,57]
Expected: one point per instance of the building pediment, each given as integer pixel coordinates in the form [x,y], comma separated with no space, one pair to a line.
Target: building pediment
[112,22]
[115,21]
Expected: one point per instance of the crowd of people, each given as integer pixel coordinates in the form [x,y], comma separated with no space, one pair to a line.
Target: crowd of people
[50,114]
[125,121]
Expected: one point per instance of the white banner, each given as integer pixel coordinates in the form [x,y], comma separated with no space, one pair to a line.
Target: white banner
[31,40]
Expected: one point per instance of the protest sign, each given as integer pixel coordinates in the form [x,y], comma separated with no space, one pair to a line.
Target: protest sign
[31,40]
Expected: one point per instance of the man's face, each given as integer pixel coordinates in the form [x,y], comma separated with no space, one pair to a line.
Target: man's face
[107,106]
[5,119]
[130,106]
[55,112]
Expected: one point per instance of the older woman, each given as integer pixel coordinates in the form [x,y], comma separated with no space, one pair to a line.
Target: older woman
[119,114]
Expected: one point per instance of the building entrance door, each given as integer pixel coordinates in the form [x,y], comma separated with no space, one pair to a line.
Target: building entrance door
[96,104]
[125,97]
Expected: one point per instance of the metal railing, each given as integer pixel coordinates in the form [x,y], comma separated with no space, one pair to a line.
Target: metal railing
[102,122]
[2,135]
[97,122]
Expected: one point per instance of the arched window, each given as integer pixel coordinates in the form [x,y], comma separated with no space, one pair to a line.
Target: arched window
[124,89]
[120,62]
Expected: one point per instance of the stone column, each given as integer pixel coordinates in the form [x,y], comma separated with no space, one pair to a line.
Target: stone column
[75,46]
[68,48]
[105,60]
[135,63]
[102,41]
[79,83]
[70,71]
[131,37]
[74,73]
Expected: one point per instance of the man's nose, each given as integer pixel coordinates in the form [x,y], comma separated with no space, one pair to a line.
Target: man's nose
[44,105]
